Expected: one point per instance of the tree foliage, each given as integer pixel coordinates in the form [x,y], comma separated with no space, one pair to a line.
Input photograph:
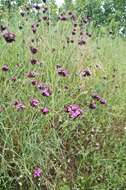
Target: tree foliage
[104,12]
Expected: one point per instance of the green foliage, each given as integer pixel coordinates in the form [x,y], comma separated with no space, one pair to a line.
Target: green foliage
[68,5]
[53,9]
[104,12]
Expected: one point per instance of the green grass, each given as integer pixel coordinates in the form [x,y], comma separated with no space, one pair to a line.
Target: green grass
[87,153]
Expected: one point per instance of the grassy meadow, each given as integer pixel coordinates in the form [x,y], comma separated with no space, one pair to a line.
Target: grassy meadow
[85,151]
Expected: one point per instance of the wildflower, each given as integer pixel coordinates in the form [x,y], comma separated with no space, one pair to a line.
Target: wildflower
[37,172]
[31,74]
[22,13]
[34,102]
[45,18]
[33,61]
[9,36]
[45,110]
[20,27]
[36,6]
[92,105]
[75,25]
[72,41]
[5,68]
[88,34]
[33,50]
[68,40]
[14,79]
[62,72]
[34,28]
[19,105]
[103,101]
[32,40]
[74,110]
[2,28]
[63,18]
[73,17]
[86,72]
[96,97]
[45,90]
[45,9]
[81,42]
[34,82]
[70,13]
[73,33]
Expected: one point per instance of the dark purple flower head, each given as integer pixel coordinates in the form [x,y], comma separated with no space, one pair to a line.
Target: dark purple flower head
[73,33]
[103,101]
[70,13]
[33,50]
[19,105]
[34,28]
[9,37]
[82,42]
[45,18]
[22,13]
[34,102]
[63,18]
[34,82]
[2,28]
[74,110]
[75,25]
[86,72]
[32,40]
[45,90]
[31,74]
[14,79]
[88,34]
[36,6]
[34,61]
[73,17]
[44,110]
[5,68]
[62,72]
[20,27]
[68,40]
[96,97]
[92,105]
[37,172]
[72,41]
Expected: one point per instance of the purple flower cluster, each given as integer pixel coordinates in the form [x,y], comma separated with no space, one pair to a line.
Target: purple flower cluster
[5,68]
[19,105]
[74,110]
[44,89]
[34,102]
[34,61]
[37,172]
[32,74]
[86,72]
[33,50]
[34,28]
[96,97]
[62,72]
[44,111]
[9,36]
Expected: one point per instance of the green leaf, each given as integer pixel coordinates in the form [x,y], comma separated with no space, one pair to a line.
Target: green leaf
[65,187]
